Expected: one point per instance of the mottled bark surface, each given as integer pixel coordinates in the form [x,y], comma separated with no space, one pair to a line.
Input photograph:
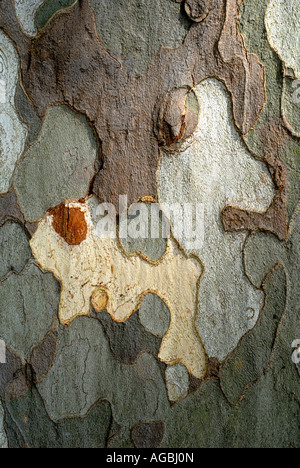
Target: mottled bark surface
[154,342]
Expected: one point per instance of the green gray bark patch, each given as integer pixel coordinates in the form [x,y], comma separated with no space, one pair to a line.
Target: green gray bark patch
[59,165]
[28,305]
[14,249]
[135,30]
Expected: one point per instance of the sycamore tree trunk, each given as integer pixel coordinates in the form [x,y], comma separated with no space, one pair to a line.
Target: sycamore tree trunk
[149,223]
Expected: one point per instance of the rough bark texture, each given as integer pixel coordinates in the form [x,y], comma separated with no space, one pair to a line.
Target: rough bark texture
[148,343]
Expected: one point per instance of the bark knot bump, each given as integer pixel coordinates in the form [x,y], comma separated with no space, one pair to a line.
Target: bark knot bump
[70,223]
[99,300]
[197,10]
[177,118]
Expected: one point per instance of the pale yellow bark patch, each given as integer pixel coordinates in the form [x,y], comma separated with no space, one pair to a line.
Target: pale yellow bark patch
[100,265]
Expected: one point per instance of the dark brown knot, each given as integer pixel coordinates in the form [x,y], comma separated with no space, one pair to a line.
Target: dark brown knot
[177,118]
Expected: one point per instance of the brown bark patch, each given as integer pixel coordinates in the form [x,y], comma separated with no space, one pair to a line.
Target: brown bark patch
[70,223]
[15,376]
[213,369]
[197,10]
[148,435]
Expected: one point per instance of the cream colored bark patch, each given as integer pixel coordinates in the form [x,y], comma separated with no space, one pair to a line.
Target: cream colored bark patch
[13,133]
[217,170]
[283,24]
[26,11]
[101,265]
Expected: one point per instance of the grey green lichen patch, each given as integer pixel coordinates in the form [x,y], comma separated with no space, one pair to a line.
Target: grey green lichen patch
[177,381]
[86,372]
[251,358]
[59,165]
[28,115]
[261,255]
[30,423]
[28,305]
[14,249]
[268,417]
[128,340]
[49,8]
[13,132]
[154,315]
[136,29]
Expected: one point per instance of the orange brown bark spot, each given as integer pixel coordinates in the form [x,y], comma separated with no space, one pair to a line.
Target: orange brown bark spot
[70,224]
